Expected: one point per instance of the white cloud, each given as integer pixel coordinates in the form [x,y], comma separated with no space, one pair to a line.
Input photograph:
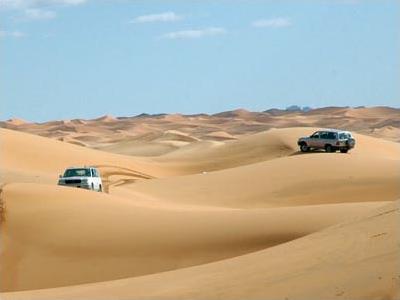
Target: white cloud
[14,34]
[161,17]
[39,14]
[275,22]
[24,4]
[194,33]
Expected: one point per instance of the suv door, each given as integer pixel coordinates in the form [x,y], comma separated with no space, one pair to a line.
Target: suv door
[93,178]
[314,139]
[332,138]
[324,140]
[97,178]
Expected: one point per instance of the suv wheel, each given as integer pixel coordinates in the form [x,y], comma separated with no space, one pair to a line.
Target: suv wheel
[345,150]
[92,186]
[328,148]
[100,188]
[304,147]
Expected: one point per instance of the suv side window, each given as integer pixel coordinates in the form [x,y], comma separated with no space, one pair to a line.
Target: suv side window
[324,135]
[95,174]
[332,135]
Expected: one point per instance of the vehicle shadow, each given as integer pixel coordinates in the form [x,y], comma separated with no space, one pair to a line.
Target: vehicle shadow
[313,152]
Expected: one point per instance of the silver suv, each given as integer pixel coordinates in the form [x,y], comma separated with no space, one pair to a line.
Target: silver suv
[82,177]
[330,140]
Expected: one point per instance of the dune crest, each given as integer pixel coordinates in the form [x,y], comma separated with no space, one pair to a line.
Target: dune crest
[16,121]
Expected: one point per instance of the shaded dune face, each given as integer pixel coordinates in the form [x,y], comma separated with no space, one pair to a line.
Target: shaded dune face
[220,219]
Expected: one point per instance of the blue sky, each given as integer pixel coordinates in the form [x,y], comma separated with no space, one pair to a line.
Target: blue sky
[63,59]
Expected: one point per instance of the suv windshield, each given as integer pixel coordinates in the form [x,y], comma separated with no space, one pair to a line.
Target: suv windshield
[315,135]
[77,172]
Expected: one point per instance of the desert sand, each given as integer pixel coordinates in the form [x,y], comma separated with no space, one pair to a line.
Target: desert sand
[154,135]
[200,207]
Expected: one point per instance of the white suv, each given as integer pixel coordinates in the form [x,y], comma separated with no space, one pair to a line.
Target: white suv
[86,177]
[329,139]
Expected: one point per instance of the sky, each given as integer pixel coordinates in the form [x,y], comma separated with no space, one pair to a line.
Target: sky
[65,59]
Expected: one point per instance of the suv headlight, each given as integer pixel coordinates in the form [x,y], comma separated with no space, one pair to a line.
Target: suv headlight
[84,180]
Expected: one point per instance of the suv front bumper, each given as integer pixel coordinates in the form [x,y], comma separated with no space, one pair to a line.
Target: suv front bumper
[77,185]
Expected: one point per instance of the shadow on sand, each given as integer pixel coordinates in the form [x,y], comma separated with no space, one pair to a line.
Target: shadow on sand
[313,152]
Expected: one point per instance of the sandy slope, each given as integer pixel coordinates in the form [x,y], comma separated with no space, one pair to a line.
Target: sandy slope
[267,145]
[357,259]
[283,182]
[46,158]
[369,173]
[138,148]
[253,216]
[95,237]
[249,149]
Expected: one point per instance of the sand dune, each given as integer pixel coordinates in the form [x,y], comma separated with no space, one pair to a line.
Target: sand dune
[390,132]
[106,118]
[219,136]
[55,228]
[205,217]
[175,135]
[26,152]
[369,173]
[246,150]
[295,180]
[16,122]
[372,112]
[139,148]
[111,131]
[357,259]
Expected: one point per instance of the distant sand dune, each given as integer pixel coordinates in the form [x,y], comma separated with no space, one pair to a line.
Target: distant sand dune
[111,134]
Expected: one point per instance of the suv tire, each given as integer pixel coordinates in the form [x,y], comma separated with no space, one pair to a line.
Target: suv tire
[345,150]
[100,188]
[304,147]
[329,148]
[92,186]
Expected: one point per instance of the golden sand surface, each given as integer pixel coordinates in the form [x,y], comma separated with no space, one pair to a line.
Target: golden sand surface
[199,214]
